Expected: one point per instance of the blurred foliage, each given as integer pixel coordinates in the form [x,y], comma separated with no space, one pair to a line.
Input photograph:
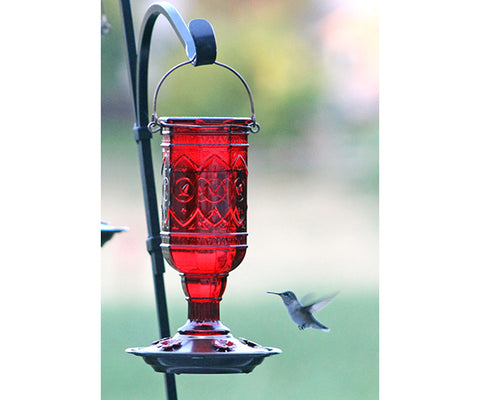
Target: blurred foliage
[266,45]
[263,41]
[113,62]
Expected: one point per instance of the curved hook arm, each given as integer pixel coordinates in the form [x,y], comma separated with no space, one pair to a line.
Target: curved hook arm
[199,43]
[176,21]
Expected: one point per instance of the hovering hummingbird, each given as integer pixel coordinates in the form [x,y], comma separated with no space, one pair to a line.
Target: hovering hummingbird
[303,314]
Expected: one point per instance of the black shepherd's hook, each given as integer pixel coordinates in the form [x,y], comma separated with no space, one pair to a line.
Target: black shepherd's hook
[199,42]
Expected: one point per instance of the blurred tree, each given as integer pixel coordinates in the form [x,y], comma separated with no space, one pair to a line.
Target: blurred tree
[264,41]
[115,90]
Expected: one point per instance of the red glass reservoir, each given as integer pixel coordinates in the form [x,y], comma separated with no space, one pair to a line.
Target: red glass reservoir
[204,210]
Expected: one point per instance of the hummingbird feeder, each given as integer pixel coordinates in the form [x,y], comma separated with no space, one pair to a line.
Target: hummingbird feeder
[202,232]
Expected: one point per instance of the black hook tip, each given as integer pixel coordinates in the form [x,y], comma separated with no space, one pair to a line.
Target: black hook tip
[204,39]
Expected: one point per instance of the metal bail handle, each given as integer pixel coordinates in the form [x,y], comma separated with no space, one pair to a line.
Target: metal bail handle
[156,125]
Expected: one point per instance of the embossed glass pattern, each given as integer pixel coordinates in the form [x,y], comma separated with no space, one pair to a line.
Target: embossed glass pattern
[204,210]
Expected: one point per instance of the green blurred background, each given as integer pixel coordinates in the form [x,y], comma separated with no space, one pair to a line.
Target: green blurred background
[313,195]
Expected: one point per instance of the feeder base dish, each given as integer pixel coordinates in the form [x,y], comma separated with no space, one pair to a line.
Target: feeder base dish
[213,354]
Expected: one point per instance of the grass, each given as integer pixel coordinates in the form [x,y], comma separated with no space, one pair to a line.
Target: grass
[339,365]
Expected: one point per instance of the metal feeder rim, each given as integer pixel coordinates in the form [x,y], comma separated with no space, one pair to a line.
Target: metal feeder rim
[160,124]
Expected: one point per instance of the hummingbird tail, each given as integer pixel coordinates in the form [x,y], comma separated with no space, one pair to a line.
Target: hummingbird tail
[318,325]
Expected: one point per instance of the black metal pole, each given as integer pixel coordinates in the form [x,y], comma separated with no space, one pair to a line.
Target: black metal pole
[142,138]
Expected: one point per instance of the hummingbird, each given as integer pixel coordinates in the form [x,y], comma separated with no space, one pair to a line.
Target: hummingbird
[303,314]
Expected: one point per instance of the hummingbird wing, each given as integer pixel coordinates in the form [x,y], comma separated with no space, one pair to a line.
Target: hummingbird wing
[309,298]
[319,304]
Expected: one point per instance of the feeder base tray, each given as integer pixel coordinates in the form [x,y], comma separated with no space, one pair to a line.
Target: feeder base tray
[213,354]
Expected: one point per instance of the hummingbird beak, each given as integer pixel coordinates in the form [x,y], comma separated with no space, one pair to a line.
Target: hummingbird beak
[274,293]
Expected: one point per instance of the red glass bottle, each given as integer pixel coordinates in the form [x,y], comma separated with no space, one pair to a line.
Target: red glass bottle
[204,210]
